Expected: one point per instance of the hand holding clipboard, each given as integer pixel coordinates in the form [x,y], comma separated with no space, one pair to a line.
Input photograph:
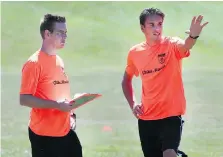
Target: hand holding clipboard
[82,99]
[79,100]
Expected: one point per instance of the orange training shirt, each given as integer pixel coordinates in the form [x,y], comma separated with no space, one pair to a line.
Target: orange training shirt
[160,69]
[43,76]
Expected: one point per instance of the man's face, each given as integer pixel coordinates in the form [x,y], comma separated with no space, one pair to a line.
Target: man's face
[153,27]
[59,35]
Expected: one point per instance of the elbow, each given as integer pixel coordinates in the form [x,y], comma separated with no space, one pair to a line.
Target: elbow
[123,83]
[22,100]
[126,80]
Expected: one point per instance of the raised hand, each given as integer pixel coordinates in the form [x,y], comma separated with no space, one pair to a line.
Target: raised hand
[196,26]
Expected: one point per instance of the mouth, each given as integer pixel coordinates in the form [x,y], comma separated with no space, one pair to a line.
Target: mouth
[156,34]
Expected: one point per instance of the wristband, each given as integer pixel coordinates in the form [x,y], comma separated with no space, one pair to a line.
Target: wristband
[193,37]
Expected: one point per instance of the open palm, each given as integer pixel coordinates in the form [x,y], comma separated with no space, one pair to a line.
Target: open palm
[196,26]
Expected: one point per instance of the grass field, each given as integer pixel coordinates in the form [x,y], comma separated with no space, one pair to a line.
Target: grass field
[100,34]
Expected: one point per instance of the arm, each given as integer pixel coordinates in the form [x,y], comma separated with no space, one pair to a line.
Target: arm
[128,90]
[186,45]
[34,102]
[195,30]
[130,71]
[31,76]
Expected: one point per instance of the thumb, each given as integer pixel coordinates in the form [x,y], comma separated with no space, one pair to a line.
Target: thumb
[187,31]
[135,115]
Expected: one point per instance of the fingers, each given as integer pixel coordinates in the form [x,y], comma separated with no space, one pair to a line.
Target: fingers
[138,110]
[204,24]
[196,25]
[136,115]
[72,106]
[187,31]
[193,20]
[72,102]
[199,19]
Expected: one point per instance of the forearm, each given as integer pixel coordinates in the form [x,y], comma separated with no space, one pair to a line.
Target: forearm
[34,102]
[190,42]
[186,45]
[129,93]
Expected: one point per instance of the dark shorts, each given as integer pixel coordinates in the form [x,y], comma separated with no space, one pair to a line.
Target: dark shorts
[157,136]
[66,146]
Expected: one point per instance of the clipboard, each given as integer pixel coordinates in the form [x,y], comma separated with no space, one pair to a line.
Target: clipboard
[82,99]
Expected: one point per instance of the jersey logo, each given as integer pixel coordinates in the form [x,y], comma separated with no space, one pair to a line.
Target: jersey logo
[60,82]
[161,58]
[64,81]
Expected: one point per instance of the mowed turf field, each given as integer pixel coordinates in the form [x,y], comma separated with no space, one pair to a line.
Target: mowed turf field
[99,37]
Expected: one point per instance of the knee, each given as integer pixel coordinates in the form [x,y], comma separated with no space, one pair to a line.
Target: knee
[79,147]
[169,153]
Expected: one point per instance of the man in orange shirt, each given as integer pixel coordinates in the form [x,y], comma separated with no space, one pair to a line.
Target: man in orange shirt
[158,62]
[45,88]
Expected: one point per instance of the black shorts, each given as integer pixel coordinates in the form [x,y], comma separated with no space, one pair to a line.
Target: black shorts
[157,136]
[66,146]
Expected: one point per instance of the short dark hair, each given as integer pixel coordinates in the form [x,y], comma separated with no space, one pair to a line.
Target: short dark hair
[47,23]
[148,12]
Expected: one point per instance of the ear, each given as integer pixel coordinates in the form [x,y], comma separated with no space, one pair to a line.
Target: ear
[142,28]
[47,34]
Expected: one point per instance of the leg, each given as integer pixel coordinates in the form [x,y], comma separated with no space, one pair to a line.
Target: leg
[75,145]
[171,135]
[38,144]
[149,137]
[71,145]
[54,145]
[169,153]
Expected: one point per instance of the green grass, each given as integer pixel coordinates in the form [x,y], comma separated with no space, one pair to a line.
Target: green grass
[100,34]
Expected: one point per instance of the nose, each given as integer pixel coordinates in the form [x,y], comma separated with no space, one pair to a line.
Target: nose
[157,28]
[64,36]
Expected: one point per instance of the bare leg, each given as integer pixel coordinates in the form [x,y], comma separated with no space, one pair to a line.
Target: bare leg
[169,153]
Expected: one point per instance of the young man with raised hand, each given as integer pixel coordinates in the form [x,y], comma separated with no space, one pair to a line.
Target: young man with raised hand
[158,62]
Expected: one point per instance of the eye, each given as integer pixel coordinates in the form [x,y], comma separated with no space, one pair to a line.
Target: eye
[160,24]
[61,33]
[58,33]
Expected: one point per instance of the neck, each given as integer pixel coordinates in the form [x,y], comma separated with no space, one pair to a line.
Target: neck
[48,48]
[151,42]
